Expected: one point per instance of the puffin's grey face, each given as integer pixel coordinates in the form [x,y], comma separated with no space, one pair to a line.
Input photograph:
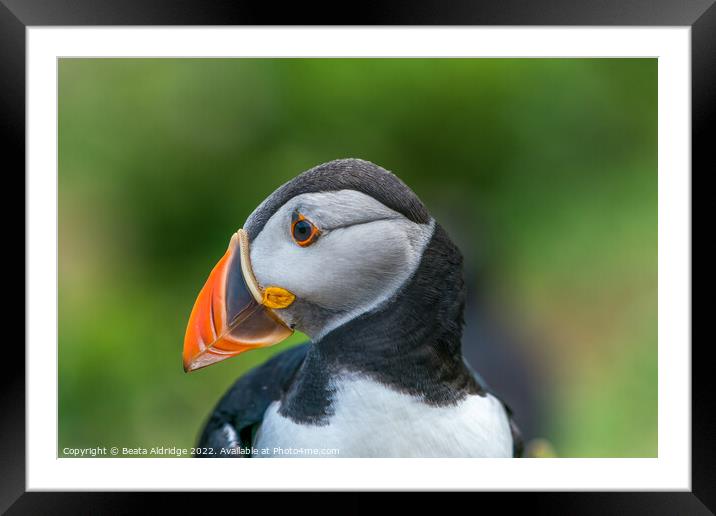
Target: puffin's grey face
[340,253]
[315,260]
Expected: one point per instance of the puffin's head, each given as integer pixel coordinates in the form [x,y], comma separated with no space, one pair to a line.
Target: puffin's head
[333,243]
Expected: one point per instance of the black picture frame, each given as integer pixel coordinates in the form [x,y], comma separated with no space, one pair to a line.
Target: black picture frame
[17,15]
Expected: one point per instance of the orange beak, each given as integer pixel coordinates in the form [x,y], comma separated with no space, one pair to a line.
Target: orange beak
[232,313]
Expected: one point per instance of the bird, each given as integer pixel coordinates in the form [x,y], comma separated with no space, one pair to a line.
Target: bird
[347,254]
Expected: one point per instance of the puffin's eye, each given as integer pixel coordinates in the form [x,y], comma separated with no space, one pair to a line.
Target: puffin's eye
[303,231]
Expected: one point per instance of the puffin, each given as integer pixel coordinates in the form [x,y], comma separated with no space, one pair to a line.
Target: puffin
[347,254]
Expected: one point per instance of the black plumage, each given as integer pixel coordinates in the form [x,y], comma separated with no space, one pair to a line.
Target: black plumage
[244,404]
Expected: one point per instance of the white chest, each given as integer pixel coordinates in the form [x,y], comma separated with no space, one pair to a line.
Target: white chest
[370,420]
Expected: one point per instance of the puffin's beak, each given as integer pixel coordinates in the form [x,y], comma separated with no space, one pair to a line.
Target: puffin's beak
[232,313]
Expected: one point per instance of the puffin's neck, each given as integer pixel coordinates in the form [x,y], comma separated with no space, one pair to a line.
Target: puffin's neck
[411,344]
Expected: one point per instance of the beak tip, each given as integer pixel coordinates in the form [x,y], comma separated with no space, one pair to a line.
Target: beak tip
[188,365]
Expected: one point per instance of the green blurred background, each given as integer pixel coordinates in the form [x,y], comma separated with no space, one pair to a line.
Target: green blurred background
[544,171]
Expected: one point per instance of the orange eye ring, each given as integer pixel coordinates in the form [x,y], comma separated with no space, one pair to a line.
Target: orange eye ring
[303,232]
